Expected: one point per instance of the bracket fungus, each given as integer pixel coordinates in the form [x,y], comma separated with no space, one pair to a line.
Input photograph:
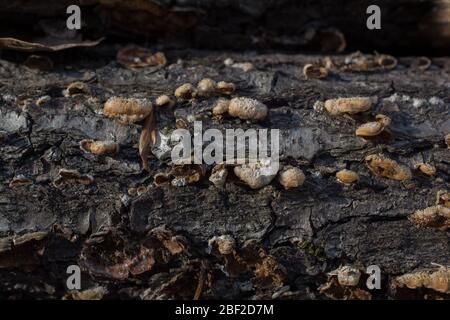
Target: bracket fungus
[164,101]
[99,147]
[226,88]
[314,72]
[347,176]
[374,128]
[435,279]
[426,169]
[291,177]
[432,217]
[67,175]
[349,105]
[186,92]
[221,107]
[75,88]
[206,87]
[443,198]
[247,109]
[256,174]
[387,168]
[20,181]
[127,110]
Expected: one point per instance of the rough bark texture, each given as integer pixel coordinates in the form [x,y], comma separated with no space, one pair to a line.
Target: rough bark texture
[283,237]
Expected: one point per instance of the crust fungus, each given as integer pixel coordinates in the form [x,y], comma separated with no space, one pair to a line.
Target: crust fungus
[314,72]
[432,217]
[164,101]
[247,109]
[226,88]
[99,147]
[349,105]
[347,176]
[291,177]
[127,110]
[387,168]
[256,174]
[186,92]
[438,280]
[374,128]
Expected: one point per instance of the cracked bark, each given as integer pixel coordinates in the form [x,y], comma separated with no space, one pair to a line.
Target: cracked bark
[309,231]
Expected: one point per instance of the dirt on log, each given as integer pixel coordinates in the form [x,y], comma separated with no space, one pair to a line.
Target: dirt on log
[61,205]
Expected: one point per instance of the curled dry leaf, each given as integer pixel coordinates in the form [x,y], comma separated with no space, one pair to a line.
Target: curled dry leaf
[349,105]
[438,280]
[99,147]
[247,109]
[432,217]
[127,110]
[371,129]
[147,138]
[134,57]
[314,72]
[20,45]
[347,176]
[72,176]
[387,168]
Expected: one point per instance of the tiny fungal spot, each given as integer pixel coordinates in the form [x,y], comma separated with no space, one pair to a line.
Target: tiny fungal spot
[349,105]
[314,72]
[99,147]
[247,109]
[127,110]
[291,177]
[347,176]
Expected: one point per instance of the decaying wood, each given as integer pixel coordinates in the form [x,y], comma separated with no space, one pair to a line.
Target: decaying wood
[159,234]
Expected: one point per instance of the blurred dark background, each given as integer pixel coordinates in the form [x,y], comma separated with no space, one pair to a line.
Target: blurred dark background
[409,27]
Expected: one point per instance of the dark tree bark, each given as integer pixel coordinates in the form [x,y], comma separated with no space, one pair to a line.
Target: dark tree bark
[299,234]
